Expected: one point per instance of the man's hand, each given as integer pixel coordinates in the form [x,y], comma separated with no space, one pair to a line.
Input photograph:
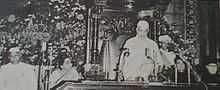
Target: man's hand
[149,57]
[120,75]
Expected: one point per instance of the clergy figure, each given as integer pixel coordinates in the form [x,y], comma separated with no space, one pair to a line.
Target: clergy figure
[66,71]
[141,55]
[17,75]
[167,56]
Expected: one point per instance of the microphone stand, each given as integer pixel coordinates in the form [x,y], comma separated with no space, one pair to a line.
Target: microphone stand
[48,71]
[121,59]
[189,69]
[39,75]
[199,79]
[40,62]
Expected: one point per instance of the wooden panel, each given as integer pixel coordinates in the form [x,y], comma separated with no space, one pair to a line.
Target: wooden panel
[124,86]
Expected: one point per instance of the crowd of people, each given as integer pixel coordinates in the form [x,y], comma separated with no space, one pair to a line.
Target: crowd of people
[142,59]
[62,24]
[42,39]
[29,35]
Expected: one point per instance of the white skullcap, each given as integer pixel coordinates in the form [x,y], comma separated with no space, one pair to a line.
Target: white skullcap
[11,18]
[165,39]
[15,49]
[212,64]
[144,13]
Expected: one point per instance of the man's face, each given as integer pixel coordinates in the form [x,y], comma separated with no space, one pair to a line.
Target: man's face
[180,66]
[212,68]
[142,28]
[15,57]
[164,45]
[67,64]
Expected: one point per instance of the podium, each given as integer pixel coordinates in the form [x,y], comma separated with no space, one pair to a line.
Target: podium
[114,85]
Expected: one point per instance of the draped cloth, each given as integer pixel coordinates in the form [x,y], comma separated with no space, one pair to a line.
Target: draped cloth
[111,52]
[59,75]
[137,64]
[18,77]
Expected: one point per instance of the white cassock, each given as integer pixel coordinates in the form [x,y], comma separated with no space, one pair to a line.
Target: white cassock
[18,77]
[137,64]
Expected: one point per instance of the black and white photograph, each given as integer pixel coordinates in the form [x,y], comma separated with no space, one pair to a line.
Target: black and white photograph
[109,44]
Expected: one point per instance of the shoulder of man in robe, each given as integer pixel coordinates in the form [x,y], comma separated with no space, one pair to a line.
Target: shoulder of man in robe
[129,42]
[74,67]
[131,39]
[154,42]
[28,66]
[25,64]
[3,67]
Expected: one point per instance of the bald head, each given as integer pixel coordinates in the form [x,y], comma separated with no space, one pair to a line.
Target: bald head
[15,55]
[142,28]
[143,23]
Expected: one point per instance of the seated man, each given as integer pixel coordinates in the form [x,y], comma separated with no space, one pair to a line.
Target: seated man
[17,75]
[142,55]
[210,74]
[182,76]
[181,73]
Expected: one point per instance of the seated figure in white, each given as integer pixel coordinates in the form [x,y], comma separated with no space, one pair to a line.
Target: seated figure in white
[17,75]
[66,71]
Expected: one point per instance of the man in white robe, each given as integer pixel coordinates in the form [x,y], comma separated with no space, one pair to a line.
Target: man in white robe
[142,55]
[17,75]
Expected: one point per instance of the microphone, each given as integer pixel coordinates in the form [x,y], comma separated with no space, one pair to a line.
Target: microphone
[147,54]
[122,49]
[44,46]
[126,52]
